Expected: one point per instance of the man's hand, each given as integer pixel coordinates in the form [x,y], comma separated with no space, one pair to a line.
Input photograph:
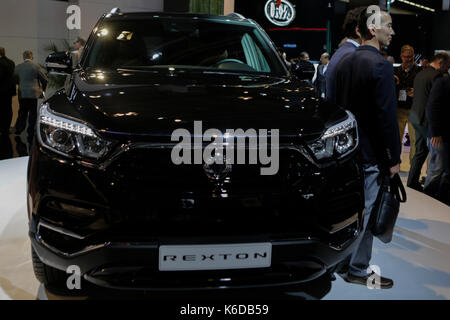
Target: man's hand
[394,170]
[397,80]
[436,141]
[410,93]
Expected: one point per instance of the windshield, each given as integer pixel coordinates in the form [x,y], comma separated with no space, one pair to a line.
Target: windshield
[183,43]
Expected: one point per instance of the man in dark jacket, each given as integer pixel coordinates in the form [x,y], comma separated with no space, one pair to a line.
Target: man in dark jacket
[320,82]
[422,88]
[365,85]
[404,76]
[32,83]
[7,91]
[352,41]
[304,67]
[437,183]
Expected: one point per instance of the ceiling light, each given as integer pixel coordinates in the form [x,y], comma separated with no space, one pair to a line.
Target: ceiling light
[417,5]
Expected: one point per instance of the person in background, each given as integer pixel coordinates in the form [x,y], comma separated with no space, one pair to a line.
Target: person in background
[32,83]
[284,57]
[404,77]
[7,91]
[303,66]
[391,59]
[79,46]
[353,40]
[424,62]
[304,56]
[422,87]
[320,82]
[437,183]
[366,86]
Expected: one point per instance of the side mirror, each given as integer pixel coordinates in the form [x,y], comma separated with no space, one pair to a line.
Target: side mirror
[304,70]
[59,63]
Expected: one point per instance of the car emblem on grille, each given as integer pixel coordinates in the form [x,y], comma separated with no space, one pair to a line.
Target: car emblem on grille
[217,171]
[279,12]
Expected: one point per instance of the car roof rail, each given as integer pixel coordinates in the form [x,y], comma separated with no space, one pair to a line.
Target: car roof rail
[236,15]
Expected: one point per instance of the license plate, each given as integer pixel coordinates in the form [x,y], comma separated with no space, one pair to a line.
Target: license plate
[215,257]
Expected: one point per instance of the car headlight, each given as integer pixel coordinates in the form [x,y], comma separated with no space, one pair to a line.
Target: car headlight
[337,141]
[68,136]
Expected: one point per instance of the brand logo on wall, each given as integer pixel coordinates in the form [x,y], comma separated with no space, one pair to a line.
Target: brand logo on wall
[279,12]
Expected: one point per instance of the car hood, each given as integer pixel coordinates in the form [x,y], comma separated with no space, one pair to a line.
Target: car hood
[131,102]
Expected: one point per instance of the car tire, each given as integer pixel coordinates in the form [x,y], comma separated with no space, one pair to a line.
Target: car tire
[46,274]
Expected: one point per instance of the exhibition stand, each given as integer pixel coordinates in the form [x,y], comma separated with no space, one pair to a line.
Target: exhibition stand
[418,258]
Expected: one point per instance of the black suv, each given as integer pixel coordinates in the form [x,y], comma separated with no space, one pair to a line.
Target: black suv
[105,195]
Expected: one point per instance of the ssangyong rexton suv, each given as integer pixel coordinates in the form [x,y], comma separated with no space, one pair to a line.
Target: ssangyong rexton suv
[104,194]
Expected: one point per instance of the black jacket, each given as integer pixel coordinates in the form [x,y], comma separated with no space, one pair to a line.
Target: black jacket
[347,48]
[406,82]
[304,67]
[365,85]
[320,83]
[7,83]
[422,88]
[438,109]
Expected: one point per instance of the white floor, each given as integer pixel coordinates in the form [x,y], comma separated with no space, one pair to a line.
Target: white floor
[418,258]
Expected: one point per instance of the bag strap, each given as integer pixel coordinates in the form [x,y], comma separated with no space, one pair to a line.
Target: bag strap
[397,188]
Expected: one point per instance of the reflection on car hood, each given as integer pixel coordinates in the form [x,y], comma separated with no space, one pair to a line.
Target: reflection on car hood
[135,102]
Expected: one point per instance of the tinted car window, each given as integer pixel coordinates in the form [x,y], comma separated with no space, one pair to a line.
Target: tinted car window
[160,43]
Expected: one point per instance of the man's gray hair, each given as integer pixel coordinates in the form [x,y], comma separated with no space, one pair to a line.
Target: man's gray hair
[27,54]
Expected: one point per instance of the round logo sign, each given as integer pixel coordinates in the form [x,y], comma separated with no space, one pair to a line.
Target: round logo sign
[279,12]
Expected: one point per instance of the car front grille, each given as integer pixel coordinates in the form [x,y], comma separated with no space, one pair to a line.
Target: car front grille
[147,197]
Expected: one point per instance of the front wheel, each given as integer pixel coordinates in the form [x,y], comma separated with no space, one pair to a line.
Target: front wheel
[45,274]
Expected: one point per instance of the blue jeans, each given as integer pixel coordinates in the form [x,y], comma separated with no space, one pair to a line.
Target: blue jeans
[359,261]
[438,174]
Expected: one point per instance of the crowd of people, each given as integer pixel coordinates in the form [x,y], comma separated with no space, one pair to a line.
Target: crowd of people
[31,81]
[419,108]
[361,77]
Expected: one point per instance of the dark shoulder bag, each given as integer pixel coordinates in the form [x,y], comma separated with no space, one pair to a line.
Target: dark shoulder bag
[387,206]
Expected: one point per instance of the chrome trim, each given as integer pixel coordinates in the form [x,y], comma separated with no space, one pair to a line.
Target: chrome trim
[86,249]
[343,224]
[147,145]
[59,73]
[144,145]
[70,255]
[59,230]
[56,65]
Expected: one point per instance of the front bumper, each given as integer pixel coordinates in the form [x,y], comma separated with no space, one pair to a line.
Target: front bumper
[111,224]
[134,266]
